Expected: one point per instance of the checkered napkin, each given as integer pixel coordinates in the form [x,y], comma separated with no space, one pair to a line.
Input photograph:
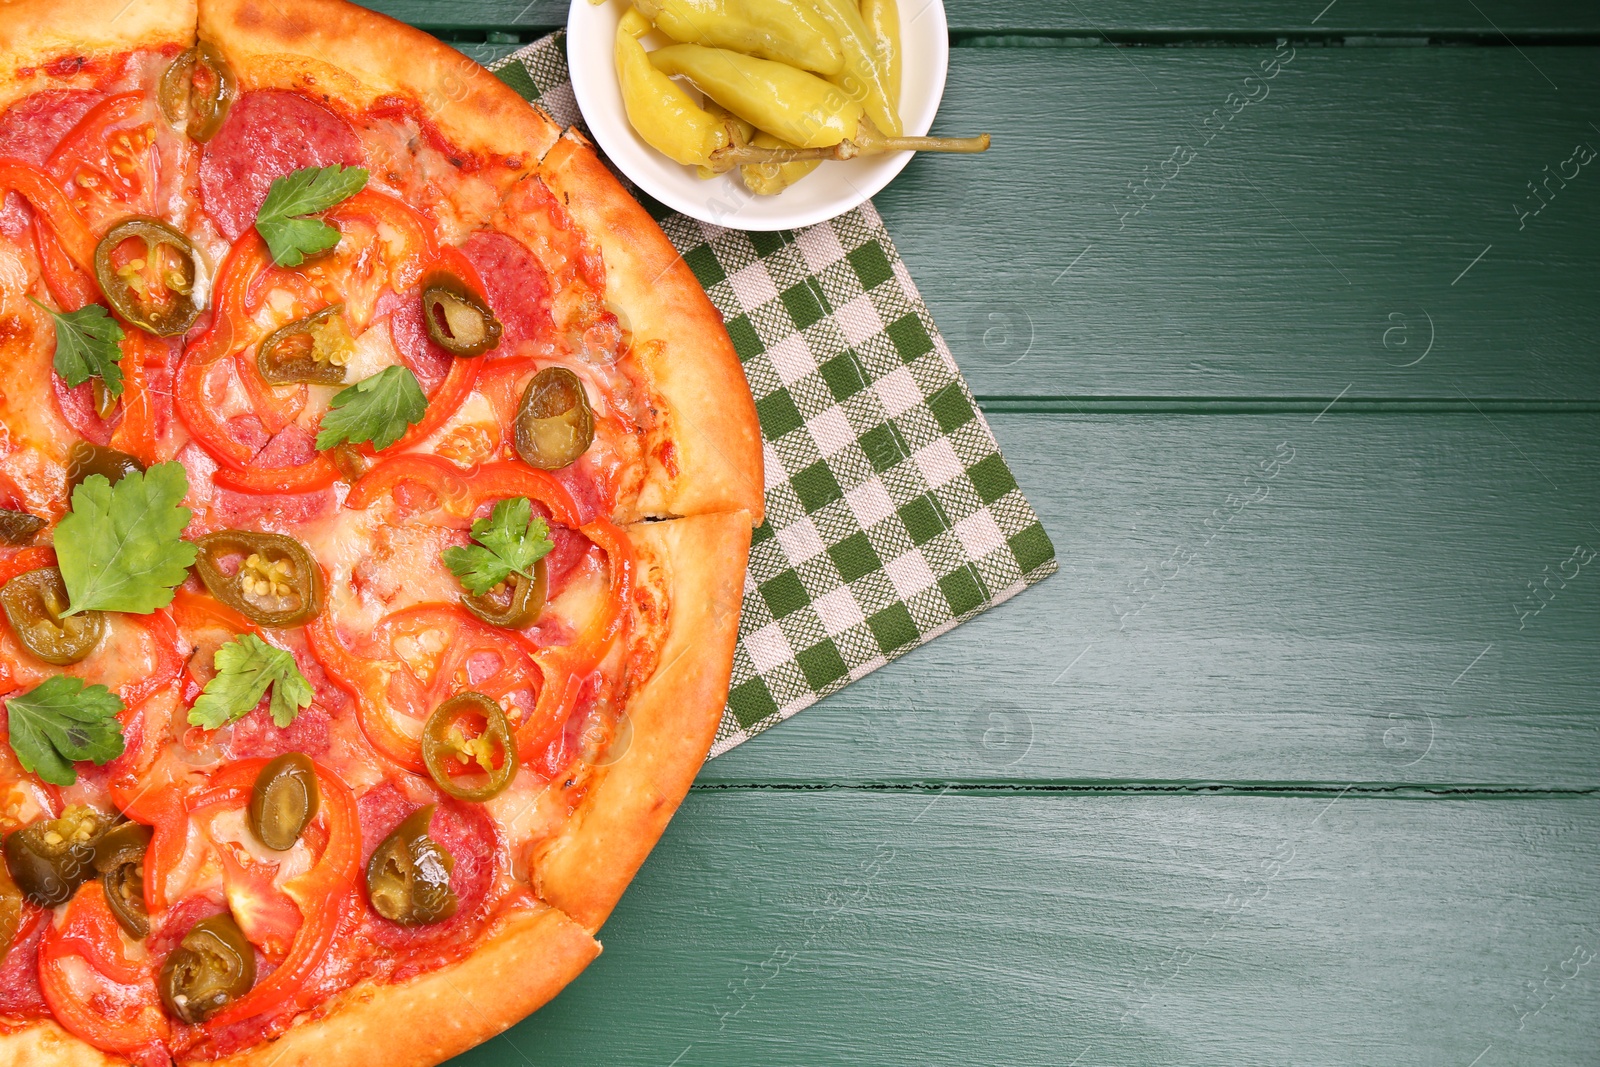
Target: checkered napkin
[891,515]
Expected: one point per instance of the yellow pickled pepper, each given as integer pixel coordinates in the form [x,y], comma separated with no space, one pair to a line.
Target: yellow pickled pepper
[662,113]
[786,102]
[883,22]
[784,31]
[861,76]
[769,179]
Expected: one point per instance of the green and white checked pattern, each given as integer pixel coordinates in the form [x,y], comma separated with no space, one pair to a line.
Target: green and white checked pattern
[891,515]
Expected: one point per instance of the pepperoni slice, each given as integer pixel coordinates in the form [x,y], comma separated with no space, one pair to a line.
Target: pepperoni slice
[570,549]
[268,133]
[20,995]
[256,735]
[519,290]
[468,834]
[427,360]
[30,129]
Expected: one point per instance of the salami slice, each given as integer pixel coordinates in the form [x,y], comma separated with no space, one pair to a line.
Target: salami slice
[268,133]
[518,289]
[466,832]
[427,360]
[31,128]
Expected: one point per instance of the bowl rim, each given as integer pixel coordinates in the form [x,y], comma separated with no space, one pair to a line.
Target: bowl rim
[701,209]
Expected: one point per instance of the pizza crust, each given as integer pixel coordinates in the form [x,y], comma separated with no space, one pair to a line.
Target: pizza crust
[673,717]
[46,1044]
[34,32]
[704,454]
[329,46]
[425,1021]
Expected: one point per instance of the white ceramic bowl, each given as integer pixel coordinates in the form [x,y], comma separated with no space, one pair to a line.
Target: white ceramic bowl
[830,190]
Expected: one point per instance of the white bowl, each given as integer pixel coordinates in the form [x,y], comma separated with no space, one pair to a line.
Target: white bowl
[830,190]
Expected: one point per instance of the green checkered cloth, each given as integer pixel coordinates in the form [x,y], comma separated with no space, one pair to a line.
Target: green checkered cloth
[891,515]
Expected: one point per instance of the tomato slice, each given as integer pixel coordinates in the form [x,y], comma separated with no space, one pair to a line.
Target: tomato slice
[122,1010]
[419,657]
[108,164]
[323,894]
[69,286]
[163,633]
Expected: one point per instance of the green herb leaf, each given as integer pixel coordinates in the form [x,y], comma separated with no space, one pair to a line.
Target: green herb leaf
[87,346]
[61,720]
[290,237]
[121,547]
[513,540]
[246,666]
[377,409]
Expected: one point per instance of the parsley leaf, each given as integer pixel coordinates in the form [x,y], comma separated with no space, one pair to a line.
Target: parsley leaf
[87,346]
[62,720]
[377,409]
[513,540]
[289,235]
[120,548]
[246,666]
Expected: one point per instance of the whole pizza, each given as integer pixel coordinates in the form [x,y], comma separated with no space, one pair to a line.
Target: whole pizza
[376,484]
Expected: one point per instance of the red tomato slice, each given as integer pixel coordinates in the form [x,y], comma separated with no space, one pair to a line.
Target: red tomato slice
[324,894]
[108,165]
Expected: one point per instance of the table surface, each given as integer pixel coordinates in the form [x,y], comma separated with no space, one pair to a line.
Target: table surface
[1298,767]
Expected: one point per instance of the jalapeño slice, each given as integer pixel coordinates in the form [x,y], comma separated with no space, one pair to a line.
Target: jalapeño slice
[34,602]
[408,877]
[148,272]
[197,89]
[554,424]
[312,350]
[273,580]
[489,756]
[458,319]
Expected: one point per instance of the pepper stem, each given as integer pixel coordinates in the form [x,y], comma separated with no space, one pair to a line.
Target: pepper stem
[867,142]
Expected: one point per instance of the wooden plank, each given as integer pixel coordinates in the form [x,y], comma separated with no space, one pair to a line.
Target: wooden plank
[1129,19]
[1367,618]
[1317,244]
[1320,241]
[1024,930]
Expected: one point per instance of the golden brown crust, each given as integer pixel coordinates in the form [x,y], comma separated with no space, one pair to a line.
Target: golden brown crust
[705,453]
[35,32]
[673,718]
[434,1016]
[359,56]
[46,1044]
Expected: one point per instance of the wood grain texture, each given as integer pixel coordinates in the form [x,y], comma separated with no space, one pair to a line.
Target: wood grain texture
[1305,250]
[1020,930]
[1317,634]
[1125,19]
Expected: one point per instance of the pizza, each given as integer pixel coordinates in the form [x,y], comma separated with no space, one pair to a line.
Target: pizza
[376,487]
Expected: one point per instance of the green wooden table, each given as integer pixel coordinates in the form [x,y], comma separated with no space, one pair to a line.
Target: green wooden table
[1295,770]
